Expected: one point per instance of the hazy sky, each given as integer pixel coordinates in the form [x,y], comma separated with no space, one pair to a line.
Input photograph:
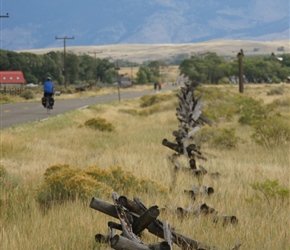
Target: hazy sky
[35,23]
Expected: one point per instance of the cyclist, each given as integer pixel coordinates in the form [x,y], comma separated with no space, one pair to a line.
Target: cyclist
[48,90]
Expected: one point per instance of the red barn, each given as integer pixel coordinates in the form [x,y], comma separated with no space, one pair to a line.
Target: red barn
[11,78]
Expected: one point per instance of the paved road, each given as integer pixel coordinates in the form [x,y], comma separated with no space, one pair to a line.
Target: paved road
[19,113]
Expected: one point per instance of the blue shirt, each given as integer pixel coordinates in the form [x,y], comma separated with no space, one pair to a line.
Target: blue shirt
[48,87]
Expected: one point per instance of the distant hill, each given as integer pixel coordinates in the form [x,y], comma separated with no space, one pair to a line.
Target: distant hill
[148,52]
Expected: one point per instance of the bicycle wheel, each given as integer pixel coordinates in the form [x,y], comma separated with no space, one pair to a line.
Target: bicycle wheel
[47,105]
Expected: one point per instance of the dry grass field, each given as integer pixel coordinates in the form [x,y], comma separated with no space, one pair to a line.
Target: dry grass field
[144,52]
[135,145]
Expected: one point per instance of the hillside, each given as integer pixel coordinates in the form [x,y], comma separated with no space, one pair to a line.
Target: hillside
[144,52]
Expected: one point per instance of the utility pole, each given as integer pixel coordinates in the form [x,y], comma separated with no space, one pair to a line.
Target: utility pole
[6,16]
[95,53]
[64,55]
[241,80]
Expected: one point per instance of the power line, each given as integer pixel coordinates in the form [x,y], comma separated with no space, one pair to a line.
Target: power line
[64,55]
[5,16]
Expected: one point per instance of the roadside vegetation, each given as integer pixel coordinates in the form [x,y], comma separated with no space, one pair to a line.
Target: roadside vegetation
[205,68]
[50,170]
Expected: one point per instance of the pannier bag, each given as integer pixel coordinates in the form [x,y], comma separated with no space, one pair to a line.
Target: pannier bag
[43,101]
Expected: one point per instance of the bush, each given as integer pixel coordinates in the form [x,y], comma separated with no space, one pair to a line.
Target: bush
[9,181]
[149,100]
[5,99]
[99,124]
[271,190]
[63,90]
[281,102]
[276,91]
[225,138]
[253,110]
[128,111]
[27,94]
[221,138]
[271,132]
[63,182]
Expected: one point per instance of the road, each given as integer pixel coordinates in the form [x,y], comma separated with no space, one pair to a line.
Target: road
[20,113]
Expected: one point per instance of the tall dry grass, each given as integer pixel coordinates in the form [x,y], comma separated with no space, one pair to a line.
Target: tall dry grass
[135,145]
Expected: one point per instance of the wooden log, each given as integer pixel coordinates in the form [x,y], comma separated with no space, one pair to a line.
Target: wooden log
[167,234]
[206,191]
[145,219]
[192,163]
[191,194]
[114,225]
[225,220]
[126,225]
[107,208]
[205,209]
[101,238]
[119,242]
[156,228]
[130,205]
[160,246]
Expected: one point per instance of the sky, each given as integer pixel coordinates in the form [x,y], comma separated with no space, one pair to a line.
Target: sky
[35,23]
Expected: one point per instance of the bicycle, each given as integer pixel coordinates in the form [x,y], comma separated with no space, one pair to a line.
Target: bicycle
[47,104]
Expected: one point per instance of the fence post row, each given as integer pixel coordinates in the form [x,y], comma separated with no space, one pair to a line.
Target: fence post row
[135,217]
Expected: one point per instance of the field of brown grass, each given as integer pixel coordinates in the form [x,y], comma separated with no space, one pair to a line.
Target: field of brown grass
[144,52]
[135,145]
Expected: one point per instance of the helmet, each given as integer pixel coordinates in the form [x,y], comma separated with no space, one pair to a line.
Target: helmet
[48,78]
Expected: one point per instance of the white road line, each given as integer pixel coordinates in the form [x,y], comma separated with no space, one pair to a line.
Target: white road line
[84,107]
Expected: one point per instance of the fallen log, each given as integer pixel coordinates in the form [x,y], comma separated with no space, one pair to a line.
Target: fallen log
[160,246]
[130,205]
[119,242]
[126,225]
[109,209]
[114,225]
[101,238]
[145,219]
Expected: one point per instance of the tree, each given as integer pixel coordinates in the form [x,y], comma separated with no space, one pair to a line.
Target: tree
[4,60]
[141,77]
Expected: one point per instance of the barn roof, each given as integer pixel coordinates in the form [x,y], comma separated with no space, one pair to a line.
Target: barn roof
[11,77]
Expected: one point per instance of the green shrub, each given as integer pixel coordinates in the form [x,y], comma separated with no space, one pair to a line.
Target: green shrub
[273,131]
[128,111]
[205,135]
[63,90]
[63,182]
[276,91]
[150,111]
[5,99]
[3,172]
[9,181]
[220,110]
[281,102]
[27,94]
[99,124]
[217,137]
[252,110]
[149,100]
[271,190]
[225,138]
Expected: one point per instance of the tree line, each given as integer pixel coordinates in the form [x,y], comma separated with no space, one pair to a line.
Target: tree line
[80,68]
[213,69]
[205,68]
